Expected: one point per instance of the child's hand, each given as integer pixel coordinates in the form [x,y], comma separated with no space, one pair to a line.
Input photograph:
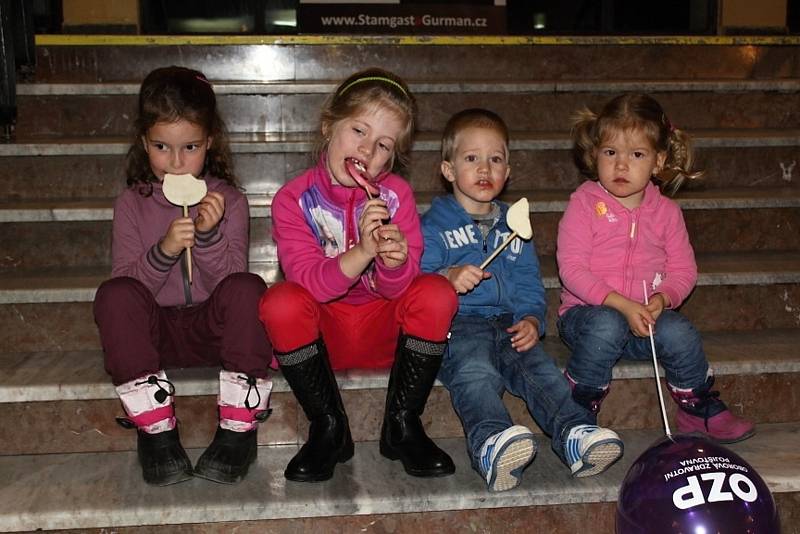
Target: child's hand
[525,334]
[180,235]
[466,277]
[392,245]
[639,317]
[371,219]
[209,211]
[658,302]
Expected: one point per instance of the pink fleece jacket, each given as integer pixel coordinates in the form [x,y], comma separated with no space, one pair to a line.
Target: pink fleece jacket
[604,247]
[315,219]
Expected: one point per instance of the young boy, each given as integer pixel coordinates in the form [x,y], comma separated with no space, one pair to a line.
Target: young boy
[494,337]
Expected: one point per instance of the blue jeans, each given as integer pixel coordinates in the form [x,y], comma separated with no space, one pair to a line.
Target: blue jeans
[480,364]
[599,336]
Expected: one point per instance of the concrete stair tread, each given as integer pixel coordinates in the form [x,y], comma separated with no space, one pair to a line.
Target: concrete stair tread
[292,87]
[541,201]
[79,375]
[264,142]
[92,490]
[78,284]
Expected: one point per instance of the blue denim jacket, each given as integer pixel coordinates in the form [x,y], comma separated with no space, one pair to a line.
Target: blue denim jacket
[452,238]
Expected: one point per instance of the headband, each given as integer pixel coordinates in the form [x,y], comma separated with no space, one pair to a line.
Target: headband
[373,79]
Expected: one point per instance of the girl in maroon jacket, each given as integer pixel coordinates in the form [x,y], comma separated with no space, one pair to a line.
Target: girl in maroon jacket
[152,315]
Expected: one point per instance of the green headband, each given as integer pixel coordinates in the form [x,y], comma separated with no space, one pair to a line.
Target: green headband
[373,79]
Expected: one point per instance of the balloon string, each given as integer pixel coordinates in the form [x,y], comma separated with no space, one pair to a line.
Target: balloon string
[655,367]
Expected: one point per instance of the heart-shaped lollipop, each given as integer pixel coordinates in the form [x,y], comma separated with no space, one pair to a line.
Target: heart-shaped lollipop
[184,190]
[518,219]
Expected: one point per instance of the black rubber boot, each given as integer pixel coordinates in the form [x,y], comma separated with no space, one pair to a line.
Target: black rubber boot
[308,372]
[228,457]
[163,459]
[402,437]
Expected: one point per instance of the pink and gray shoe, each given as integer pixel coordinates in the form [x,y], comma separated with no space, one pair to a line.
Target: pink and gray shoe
[702,411]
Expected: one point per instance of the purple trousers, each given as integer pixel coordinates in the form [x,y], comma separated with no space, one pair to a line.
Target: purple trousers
[140,337]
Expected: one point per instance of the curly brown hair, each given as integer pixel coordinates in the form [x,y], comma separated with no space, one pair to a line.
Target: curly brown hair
[173,93]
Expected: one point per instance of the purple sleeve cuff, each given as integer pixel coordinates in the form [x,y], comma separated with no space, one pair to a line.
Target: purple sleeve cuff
[160,261]
[206,239]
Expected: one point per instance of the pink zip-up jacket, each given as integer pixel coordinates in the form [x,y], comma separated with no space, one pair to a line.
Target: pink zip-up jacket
[314,220]
[140,222]
[604,247]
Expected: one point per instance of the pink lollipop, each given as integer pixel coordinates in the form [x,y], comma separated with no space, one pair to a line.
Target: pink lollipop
[359,173]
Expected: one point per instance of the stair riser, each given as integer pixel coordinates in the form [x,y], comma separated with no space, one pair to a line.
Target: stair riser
[85,426]
[81,177]
[88,243]
[538,112]
[70,326]
[89,64]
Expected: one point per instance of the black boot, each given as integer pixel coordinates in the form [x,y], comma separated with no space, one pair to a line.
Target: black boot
[402,437]
[228,457]
[163,459]
[308,372]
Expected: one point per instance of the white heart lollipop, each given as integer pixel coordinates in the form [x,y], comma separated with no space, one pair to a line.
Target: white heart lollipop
[184,190]
[518,219]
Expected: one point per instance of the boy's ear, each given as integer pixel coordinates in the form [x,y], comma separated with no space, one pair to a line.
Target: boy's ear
[144,144]
[448,172]
[209,142]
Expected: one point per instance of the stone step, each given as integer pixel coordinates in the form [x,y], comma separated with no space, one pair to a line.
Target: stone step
[93,168]
[86,491]
[292,108]
[75,59]
[28,246]
[68,395]
[50,309]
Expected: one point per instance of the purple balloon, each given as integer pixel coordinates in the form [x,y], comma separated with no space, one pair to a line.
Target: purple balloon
[691,485]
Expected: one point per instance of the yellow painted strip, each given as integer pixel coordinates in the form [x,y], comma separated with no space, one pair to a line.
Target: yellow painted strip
[407,40]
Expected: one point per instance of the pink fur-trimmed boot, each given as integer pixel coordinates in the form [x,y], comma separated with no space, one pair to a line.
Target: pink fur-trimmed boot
[702,411]
[148,405]
[243,403]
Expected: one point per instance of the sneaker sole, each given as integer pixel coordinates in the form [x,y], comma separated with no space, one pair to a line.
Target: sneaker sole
[516,454]
[599,457]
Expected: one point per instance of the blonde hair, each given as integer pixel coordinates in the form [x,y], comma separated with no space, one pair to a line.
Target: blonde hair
[634,112]
[365,90]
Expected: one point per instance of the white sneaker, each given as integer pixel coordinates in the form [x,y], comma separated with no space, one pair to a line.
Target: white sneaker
[591,449]
[504,455]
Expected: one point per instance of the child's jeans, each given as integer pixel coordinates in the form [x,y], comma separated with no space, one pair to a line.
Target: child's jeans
[599,336]
[480,364]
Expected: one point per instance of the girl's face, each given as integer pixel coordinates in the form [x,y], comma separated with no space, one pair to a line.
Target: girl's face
[479,168]
[369,137]
[176,147]
[625,162]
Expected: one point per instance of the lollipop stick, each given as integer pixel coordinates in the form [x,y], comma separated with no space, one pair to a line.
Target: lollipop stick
[655,367]
[498,250]
[188,249]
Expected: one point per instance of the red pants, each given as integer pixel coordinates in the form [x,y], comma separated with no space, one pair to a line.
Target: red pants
[140,337]
[361,335]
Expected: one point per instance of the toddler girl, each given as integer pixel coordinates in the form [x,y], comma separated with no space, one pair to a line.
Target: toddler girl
[618,230]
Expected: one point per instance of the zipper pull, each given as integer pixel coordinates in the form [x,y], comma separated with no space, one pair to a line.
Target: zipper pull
[633,229]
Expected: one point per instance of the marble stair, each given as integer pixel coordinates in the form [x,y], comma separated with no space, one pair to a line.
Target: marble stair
[67,465]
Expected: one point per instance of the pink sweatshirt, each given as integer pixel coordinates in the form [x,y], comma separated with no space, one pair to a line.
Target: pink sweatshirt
[314,220]
[141,222]
[604,247]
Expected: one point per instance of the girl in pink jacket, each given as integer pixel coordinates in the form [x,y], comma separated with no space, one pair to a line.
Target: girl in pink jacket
[354,295]
[618,230]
